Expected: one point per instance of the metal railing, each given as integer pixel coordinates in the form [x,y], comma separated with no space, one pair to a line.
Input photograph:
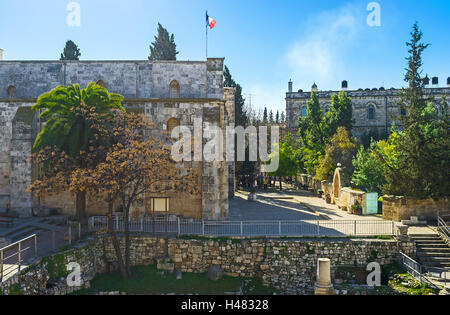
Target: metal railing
[443,228]
[12,256]
[431,276]
[40,244]
[177,226]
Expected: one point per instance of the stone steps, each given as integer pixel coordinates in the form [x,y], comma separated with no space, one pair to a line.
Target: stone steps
[433,254]
[21,232]
[432,251]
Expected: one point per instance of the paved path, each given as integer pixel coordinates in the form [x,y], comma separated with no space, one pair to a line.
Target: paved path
[288,205]
[267,209]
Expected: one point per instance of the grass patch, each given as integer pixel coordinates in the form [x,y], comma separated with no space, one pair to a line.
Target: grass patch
[407,284]
[385,237]
[148,280]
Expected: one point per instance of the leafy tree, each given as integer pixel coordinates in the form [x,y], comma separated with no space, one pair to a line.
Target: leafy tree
[369,169]
[312,134]
[341,149]
[164,47]
[288,162]
[135,166]
[228,79]
[71,51]
[241,114]
[372,135]
[241,119]
[76,124]
[423,149]
[340,113]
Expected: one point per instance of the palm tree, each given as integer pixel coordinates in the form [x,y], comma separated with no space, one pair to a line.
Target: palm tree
[68,112]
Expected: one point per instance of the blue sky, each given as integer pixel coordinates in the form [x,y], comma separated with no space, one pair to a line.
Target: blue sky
[265,42]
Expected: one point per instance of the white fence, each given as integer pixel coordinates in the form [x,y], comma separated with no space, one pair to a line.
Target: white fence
[179,226]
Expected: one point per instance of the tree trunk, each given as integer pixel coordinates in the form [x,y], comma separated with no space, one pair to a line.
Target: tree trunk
[281,186]
[126,210]
[81,208]
[115,242]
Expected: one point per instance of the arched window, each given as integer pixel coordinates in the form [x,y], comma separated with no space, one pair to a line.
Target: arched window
[371,112]
[174,89]
[304,112]
[11,91]
[171,124]
[101,83]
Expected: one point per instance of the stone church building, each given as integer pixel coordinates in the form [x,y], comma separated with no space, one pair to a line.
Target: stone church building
[373,109]
[170,93]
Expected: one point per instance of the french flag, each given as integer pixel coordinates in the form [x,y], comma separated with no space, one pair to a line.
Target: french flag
[210,21]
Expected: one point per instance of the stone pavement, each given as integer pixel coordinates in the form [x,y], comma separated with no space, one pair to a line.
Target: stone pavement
[288,204]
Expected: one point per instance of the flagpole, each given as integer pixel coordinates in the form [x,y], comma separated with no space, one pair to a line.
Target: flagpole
[206,37]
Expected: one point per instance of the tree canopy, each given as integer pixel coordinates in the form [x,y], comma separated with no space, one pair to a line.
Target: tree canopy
[164,47]
[71,51]
[74,135]
[424,148]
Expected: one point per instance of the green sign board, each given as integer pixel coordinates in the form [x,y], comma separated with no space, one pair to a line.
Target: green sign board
[371,203]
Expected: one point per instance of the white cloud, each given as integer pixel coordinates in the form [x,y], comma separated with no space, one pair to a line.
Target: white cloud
[318,54]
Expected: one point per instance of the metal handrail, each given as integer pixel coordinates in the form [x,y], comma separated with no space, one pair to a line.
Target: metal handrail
[422,273]
[443,229]
[8,270]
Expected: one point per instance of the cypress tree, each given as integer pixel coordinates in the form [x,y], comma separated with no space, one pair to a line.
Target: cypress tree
[164,47]
[71,51]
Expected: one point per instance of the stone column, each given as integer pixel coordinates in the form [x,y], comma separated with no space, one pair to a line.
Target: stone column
[323,285]
[24,130]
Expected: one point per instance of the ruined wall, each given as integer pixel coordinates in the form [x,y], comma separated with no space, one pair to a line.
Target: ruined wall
[288,265]
[403,208]
[335,193]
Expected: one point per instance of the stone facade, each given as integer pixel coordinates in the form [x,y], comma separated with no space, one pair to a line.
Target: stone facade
[199,97]
[403,208]
[383,102]
[288,265]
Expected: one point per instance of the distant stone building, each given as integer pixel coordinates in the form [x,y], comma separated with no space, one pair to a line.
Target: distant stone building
[373,109]
[170,93]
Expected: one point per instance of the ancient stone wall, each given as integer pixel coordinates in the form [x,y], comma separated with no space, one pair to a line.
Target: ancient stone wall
[145,85]
[334,193]
[24,132]
[288,265]
[403,208]
[132,79]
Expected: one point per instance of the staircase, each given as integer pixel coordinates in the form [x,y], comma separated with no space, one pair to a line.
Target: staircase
[432,251]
